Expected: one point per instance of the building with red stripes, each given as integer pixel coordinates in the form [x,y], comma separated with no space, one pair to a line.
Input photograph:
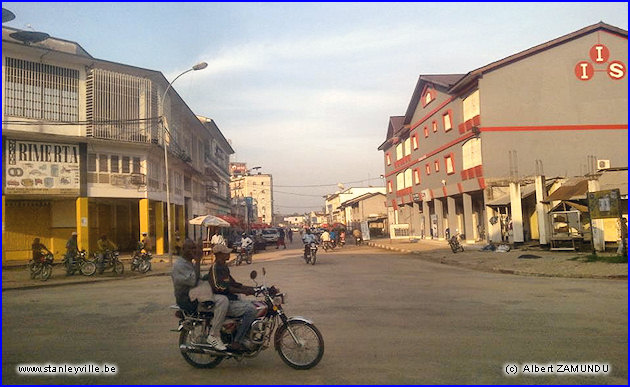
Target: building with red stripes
[466,139]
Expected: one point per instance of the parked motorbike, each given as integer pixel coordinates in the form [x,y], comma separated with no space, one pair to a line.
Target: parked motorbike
[141,261]
[80,263]
[243,255]
[298,342]
[311,253]
[455,244]
[41,268]
[110,261]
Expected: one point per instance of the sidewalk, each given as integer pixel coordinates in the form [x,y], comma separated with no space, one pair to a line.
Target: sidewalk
[545,263]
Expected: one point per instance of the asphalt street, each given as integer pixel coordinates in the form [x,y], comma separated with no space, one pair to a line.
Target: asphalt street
[385,318]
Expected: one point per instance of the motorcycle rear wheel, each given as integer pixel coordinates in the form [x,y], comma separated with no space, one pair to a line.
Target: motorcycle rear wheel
[119,268]
[303,355]
[88,268]
[144,266]
[46,272]
[249,259]
[197,360]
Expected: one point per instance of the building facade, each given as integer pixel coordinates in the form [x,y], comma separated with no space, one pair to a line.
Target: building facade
[83,150]
[259,187]
[335,212]
[554,110]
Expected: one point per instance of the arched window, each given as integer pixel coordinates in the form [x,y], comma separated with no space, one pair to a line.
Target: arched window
[471,153]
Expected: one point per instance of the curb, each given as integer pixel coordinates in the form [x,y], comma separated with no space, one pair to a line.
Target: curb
[86,281]
[499,270]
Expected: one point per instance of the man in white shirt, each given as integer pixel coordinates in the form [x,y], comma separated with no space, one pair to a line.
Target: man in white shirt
[246,241]
[308,238]
[217,239]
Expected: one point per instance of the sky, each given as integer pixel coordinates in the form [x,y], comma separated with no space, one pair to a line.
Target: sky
[305,90]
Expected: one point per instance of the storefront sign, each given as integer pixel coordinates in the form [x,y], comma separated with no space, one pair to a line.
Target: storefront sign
[41,168]
[604,204]
[600,55]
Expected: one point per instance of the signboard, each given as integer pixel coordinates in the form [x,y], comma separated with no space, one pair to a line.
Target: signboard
[41,168]
[604,204]
[365,230]
[238,168]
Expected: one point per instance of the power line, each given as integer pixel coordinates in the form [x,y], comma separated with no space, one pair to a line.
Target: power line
[297,194]
[321,185]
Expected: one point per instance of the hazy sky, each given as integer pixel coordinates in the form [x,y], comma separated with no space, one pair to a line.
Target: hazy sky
[305,90]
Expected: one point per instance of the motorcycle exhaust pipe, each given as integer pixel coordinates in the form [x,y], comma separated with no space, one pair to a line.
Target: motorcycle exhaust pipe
[195,349]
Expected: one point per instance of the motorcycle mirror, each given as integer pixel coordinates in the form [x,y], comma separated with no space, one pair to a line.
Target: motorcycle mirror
[253,274]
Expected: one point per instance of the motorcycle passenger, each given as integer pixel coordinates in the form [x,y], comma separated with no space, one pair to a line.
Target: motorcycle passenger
[39,250]
[104,246]
[325,237]
[308,238]
[333,238]
[223,283]
[72,249]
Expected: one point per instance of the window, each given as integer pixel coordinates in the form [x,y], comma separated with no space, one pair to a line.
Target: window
[400,181]
[388,159]
[407,146]
[416,174]
[448,161]
[389,186]
[428,96]
[434,125]
[447,119]
[414,140]
[41,91]
[437,165]
[91,166]
[136,165]
[408,181]
[427,169]
[471,105]
[102,163]
[471,153]
[426,132]
[125,164]
[114,164]
[399,151]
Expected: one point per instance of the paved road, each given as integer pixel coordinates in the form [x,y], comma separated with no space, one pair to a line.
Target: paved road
[385,318]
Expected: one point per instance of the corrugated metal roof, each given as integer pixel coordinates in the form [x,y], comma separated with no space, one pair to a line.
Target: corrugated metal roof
[526,191]
[572,189]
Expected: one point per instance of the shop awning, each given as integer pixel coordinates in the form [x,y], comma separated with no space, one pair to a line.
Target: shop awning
[209,221]
[233,221]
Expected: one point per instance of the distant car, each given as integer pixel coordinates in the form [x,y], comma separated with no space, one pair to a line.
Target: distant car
[271,235]
[295,229]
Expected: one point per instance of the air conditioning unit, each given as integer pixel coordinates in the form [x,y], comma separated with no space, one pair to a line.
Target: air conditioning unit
[603,164]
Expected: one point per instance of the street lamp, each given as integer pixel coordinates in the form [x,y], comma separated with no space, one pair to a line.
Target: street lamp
[198,66]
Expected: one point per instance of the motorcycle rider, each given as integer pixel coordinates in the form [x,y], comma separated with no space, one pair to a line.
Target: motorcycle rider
[103,246]
[72,249]
[308,238]
[223,284]
[39,250]
[325,237]
[246,242]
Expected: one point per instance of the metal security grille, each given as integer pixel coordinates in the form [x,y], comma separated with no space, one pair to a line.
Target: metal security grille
[41,91]
[119,106]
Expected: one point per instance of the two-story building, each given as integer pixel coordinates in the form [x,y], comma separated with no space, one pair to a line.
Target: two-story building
[554,110]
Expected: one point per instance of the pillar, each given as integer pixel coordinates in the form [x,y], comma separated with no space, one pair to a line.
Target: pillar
[541,211]
[143,206]
[517,212]
[469,225]
[415,220]
[493,231]
[83,230]
[439,211]
[597,225]
[160,244]
[181,224]
[452,215]
[427,219]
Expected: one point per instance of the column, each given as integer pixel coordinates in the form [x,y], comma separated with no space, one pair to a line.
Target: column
[143,206]
[597,225]
[181,225]
[493,231]
[469,225]
[452,215]
[415,220]
[439,211]
[83,230]
[427,219]
[160,245]
[517,212]
[541,211]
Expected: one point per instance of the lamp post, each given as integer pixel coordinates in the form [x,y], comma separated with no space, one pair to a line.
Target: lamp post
[198,66]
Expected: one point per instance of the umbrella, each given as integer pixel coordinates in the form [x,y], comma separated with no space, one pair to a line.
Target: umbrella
[208,221]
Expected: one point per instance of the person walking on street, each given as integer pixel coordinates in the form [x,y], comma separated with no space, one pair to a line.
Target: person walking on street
[281,238]
[72,248]
[290,235]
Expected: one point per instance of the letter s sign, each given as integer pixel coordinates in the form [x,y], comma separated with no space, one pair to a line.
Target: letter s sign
[616,70]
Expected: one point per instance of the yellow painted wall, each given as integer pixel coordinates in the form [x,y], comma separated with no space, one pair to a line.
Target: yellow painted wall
[533,223]
[25,220]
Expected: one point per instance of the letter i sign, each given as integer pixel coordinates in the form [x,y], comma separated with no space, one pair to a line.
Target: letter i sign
[599,54]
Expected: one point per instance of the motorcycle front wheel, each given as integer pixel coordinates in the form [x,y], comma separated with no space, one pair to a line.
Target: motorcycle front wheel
[88,268]
[313,257]
[197,360]
[33,268]
[306,352]
[46,272]
[119,268]
[144,267]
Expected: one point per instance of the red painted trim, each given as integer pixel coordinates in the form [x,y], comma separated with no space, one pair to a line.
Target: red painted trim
[427,169]
[426,91]
[460,188]
[461,127]
[476,120]
[432,112]
[464,174]
[388,158]
[402,161]
[452,157]
[426,131]
[432,153]
[417,175]
[434,125]
[390,186]
[432,195]
[444,191]
[403,192]
[436,165]
[394,204]
[552,128]
[478,171]
[482,182]
[415,141]
[449,112]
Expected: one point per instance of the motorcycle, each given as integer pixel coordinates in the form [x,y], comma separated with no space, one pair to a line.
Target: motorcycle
[110,261]
[243,254]
[453,242]
[310,254]
[80,263]
[41,268]
[141,261]
[328,245]
[298,342]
